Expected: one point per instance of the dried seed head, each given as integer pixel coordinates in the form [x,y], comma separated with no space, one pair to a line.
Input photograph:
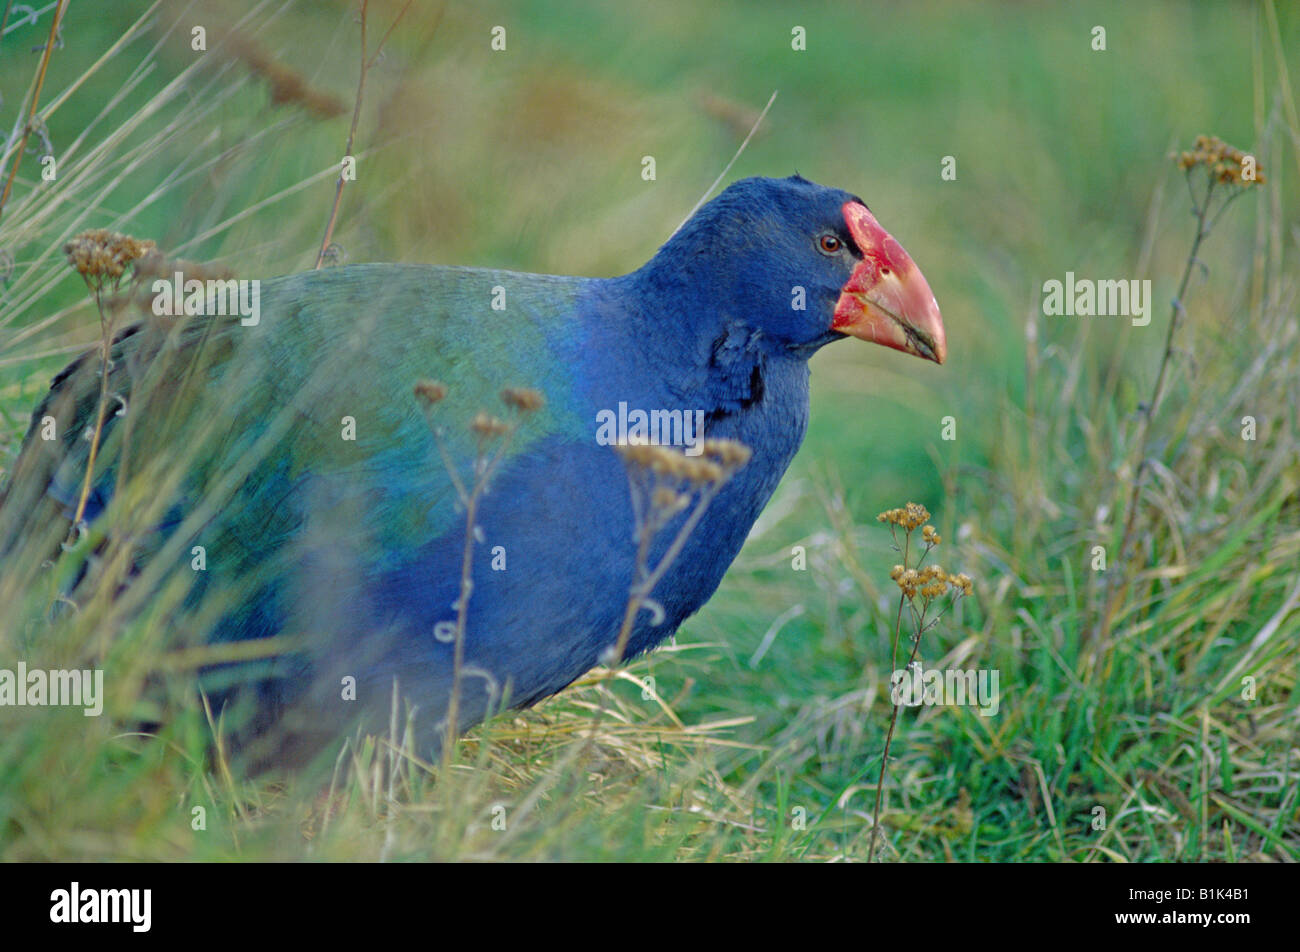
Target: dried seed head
[523,399]
[660,460]
[907,581]
[703,471]
[730,453]
[669,500]
[101,256]
[430,391]
[912,516]
[486,425]
[933,573]
[1224,162]
[915,515]
[632,452]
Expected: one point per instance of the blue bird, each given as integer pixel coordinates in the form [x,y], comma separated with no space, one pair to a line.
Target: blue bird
[431,476]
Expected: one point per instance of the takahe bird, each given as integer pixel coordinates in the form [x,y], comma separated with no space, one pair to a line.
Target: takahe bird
[352,545]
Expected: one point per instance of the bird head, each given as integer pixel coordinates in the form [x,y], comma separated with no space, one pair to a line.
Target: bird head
[804,265]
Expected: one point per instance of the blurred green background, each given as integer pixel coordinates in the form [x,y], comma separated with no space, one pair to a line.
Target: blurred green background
[530,158]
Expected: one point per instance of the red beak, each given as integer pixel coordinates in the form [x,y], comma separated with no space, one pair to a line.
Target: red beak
[887,300]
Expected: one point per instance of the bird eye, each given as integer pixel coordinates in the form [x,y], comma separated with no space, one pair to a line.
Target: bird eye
[829,244]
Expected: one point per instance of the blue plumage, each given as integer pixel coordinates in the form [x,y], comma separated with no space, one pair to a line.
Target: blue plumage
[354,547]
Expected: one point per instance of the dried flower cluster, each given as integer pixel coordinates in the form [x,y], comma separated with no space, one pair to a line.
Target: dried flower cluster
[718,460]
[1225,162]
[731,454]
[919,585]
[669,501]
[430,391]
[486,425]
[664,461]
[101,256]
[520,399]
[930,582]
[665,483]
[912,516]
[523,399]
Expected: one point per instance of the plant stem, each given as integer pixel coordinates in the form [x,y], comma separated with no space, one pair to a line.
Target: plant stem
[36,98]
[356,117]
[893,719]
[1130,515]
[467,587]
[893,722]
[641,591]
[347,149]
[105,358]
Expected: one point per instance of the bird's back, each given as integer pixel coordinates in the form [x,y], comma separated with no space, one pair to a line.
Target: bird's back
[295,453]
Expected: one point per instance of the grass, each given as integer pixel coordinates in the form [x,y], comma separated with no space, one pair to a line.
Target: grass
[757,735]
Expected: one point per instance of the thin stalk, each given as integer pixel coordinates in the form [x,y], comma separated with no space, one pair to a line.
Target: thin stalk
[366,64]
[36,98]
[1176,311]
[347,149]
[105,359]
[467,587]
